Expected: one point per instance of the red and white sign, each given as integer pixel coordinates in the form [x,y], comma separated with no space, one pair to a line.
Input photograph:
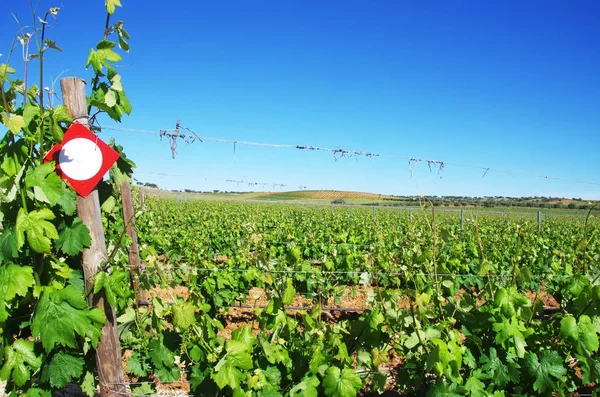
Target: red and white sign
[82,158]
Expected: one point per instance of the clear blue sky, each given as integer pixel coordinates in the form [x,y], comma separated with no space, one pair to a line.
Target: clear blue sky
[503,84]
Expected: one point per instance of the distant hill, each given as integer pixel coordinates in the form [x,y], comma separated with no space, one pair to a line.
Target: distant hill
[339,197]
[321,195]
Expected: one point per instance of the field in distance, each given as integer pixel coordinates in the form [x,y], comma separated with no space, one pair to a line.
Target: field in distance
[566,205]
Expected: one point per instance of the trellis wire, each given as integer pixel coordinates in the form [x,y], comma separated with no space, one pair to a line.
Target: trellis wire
[339,272]
[338,152]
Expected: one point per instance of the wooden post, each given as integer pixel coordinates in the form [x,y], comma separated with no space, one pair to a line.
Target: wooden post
[410,214]
[135,264]
[374,214]
[462,218]
[108,353]
[539,219]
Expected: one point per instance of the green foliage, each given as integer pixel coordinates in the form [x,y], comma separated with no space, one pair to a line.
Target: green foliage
[547,370]
[20,361]
[115,286]
[48,332]
[72,240]
[63,314]
[582,333]
[39,231]
[486,337]
[183,315]
[341,383]
[63,368]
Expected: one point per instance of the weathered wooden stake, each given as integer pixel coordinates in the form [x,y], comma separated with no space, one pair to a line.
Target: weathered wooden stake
[410,214]
[539,219]
[108,353]
[462,218]
[135,264]
[374,214]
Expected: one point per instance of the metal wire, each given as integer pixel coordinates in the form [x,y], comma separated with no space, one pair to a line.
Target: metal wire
[338,152]
[337,272]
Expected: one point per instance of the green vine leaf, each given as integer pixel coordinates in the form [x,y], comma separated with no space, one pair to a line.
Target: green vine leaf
[590,369]
[546,370]
[63,368]
[511,333]
[228,375]
[289,293]
[115,287]
[74,239]
[61,315]
[379,357]
[110,98]
[306,388]
[20,361]
[474,385]
[9,187]
[106,53]
[581,333]
[68,201]
[88,386]
[59,115]
[30,112]
[510,301]
[183,315]
[136,366]
[122,169]
[46,184]
[116,84]
[52,44]
[13,122]
[228,369]
[111,5]
[497,371]
[4,70]
[15,280]
[39,231]
[94,61]
[159,354]
[123,36]
[8,245]
[443,389]
[102,56]
[124,103]
[36,392]
[341,383]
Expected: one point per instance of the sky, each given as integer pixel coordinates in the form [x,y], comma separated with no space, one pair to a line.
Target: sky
[506,85]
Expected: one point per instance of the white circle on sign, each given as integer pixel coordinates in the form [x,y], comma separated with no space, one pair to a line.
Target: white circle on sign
[80,159]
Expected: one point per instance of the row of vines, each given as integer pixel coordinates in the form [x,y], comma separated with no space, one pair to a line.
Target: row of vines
[449,312]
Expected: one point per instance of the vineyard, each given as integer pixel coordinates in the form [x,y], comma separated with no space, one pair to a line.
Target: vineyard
[252,300]
[232,298]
